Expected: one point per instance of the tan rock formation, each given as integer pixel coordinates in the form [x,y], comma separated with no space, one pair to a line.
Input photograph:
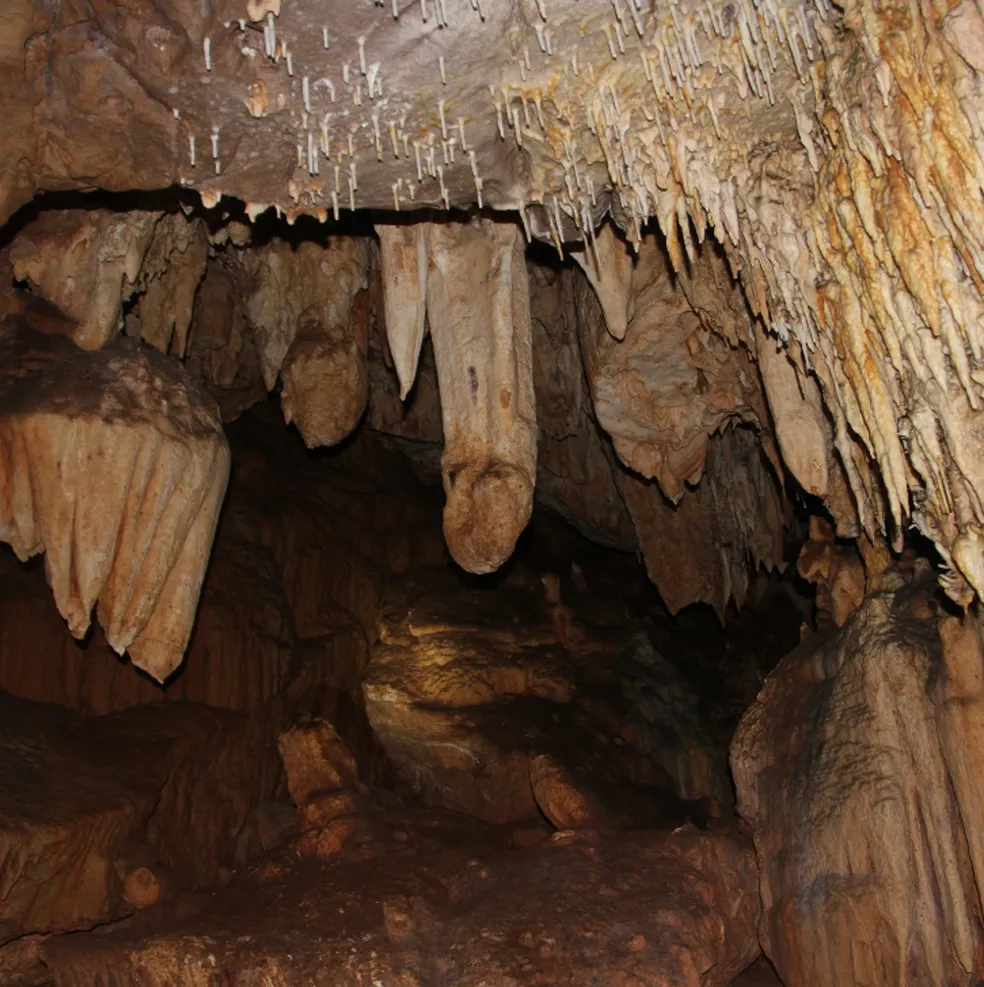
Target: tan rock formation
[671,383]
[87,264]
[857,769]
[609,265]
[403,257]
[835,569]
[478,307]
[315,760]
[171,272]
[489,718]
[833,151]
[325,377]
[116,467]
[700,548]
[575,473]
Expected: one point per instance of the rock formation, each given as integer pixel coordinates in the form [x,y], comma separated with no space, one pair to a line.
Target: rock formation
[437,911]
[82,800]
[706,279]
[492,719]
[850,226]
[858,769]
[115,467]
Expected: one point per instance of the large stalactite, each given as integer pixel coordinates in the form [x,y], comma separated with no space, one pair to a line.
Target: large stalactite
[115,466]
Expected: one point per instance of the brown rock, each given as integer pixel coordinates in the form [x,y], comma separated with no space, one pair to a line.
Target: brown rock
[835,569]
[77,793]
[683,915]
[142,888]
[316,760]
[458,699]
[856,771]
[86,262]
[20,962]
[567,804]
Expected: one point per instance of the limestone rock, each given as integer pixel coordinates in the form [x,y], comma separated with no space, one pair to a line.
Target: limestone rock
[86,263]
[671,383]
[315,760]
[464,706]
[566,804]
[223,354]
[116,467]
[835,569]
[699,548]
[478,307]
[169,277]
[324,373]
[20,962]
[403,260]
[668,909]
[77,792]
[857,770]
[839,171]
[575,474]
[609,265]
[283,283]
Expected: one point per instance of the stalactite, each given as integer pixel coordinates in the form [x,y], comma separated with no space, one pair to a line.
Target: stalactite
[115,467]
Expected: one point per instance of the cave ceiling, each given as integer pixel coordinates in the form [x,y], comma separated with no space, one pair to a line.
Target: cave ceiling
[777,205]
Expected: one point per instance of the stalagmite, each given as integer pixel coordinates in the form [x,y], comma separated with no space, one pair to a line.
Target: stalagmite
[478,308]
[608,264]
[114,466]
[859,769]
[403,253]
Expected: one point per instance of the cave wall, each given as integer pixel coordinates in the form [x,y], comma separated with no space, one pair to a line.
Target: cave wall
[290,603]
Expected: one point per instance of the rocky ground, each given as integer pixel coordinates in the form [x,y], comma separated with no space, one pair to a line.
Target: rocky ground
[373,892]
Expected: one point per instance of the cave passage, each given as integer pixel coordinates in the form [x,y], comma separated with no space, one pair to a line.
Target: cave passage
[254,715]
[371,762]
[399,602]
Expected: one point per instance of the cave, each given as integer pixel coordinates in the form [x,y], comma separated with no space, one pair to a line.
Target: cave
[488,493]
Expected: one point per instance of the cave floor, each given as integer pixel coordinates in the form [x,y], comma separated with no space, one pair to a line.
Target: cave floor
[386,895]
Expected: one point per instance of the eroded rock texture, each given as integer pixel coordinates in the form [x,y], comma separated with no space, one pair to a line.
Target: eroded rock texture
[834,152]
[86,803]
[858,769]
[303,555]
[559,704]
[115,467]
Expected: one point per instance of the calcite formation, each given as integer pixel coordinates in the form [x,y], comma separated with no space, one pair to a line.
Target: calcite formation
[851,221]
[858,768]
[777,205]
[114,466]
[492,719]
